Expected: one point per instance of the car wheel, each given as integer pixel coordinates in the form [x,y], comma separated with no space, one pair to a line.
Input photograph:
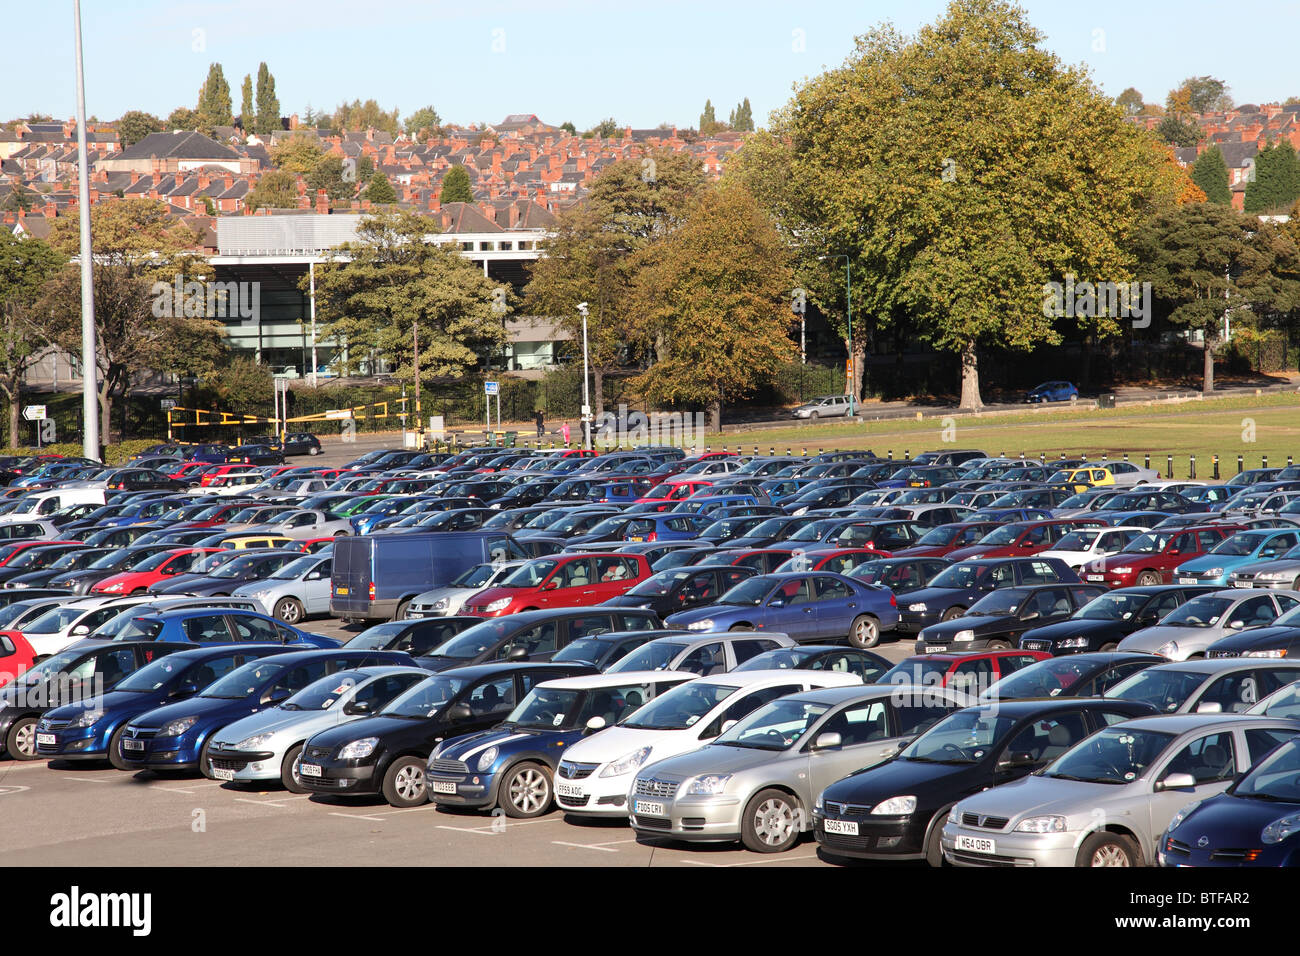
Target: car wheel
[401,610]
[1109,647]
[998,645]
[1148,579]
[1108,849]
[813,416]
[934,842]
[313,450]
[404,783]
[864,632]
[952,612]
[771,822]
[21,742]
[115,749]
[289,610]
[203,759]
[526,792]
[289,771]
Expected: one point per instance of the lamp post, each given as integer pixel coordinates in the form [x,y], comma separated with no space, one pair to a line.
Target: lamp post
[586,400]
[848,284]
[89,356]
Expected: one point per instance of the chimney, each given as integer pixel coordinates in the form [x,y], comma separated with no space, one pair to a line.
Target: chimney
[514,213]
[322,202]
[135,177]
[229,182]
[365,205]
[355,205]
[303,201]
[301,186]
[50,210]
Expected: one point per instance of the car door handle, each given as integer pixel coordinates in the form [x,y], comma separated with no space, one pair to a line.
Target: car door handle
[807,610]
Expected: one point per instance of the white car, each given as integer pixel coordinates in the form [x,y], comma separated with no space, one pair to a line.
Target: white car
[71,622]
[1078,548]
[596,774]
[227,485]
[1125,473]
[447,601]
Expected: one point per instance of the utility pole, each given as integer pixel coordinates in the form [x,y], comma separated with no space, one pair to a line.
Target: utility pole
[586,399]
[311,272]
[89,359]
[419,419]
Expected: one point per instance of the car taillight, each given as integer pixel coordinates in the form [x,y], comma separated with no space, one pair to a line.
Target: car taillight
[893,601]
[653,536]
[372,590]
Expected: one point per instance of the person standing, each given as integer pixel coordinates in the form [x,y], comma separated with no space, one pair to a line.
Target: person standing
[541,424]
[564,433]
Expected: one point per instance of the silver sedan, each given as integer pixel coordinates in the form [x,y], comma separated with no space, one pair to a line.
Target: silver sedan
[1190,629]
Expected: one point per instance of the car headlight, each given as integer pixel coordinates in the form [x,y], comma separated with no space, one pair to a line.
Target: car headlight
[1281,828]
[177,727]
[114,587]
[1181,815]
[1123,570]
[820,802]
[1212,572]
[964,636]
[441,603]
[254,742]
[704,625]
[500,604]
[626,764]
[954,816]
[359,749]
[1074,642]
[916,607]
[487,758]
[1168,649]
[895,807]
[1044,824]
[87,719]
[1273,576]
[1277,653]
[708,785]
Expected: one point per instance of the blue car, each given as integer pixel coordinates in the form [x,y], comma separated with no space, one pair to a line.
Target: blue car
[512,766]
[811,608]
[1255,822]
[1058,391]
[175,736]
[92,729]
[1244,547]
[216,625]
[665,526]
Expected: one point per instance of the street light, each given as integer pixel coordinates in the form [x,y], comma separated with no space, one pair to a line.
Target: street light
[848,279]
[89,363]
[586,401]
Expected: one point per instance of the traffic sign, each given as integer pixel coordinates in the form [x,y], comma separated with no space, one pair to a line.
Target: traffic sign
[34,413]
[168,404]
[492,388]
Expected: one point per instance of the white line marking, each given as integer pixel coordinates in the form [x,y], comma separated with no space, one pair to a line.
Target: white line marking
[87,779]
[356,816]
[585,846]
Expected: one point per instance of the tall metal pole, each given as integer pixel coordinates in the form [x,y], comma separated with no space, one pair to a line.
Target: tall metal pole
[311,272]
[419,420]
[586,399]
[853,359]
[89,360]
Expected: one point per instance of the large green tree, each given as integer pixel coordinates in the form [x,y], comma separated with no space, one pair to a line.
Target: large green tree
[247,118]
[135,125]
[455,186]
[214,106]
[1179,132]
[947,168]
[1199,94]
[380,191]
[1275,184]
[1130,101]
[268,104]
[277,189]
[1210,172]
[360,116]
[391,284]
[327,174]
[298,154]
[423,124]
[26,266]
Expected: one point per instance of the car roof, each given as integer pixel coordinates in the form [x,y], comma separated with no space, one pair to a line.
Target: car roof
[1186,723]
[748,679]
[475,671]
[591,681]
[1029,707]
[833,696]
[1215,665]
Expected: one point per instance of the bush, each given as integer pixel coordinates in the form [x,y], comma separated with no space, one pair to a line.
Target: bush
[114,454]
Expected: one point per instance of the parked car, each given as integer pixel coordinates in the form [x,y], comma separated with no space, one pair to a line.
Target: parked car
[563,580]
[1150,558]
[1109,618]
[970,672]
[449,600]
[1222,685]
[301,443]
[998,619]
[706,655]
[1191,628]
[821,657]
[827,406]
[1054,391]
[962,583]
[679,589]
[293,591]
[1078,675]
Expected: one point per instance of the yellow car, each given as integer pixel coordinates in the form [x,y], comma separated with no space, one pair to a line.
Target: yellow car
[242,542]
[1083,478]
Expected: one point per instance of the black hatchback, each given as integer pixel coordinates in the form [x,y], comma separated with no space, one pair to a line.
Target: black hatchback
[997,620]
[667,592]
[1106,620]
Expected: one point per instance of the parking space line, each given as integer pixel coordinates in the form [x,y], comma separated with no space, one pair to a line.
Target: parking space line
[356,816]
[585,846]
[87,779]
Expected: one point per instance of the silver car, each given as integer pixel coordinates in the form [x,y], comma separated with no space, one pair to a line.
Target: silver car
[309,523]
[300,588]
[1190,629]
[267,745]
[1277,573]
[703,654]
[447,601]
[1219,685]
[1110,798]
[757,781]
[827,406]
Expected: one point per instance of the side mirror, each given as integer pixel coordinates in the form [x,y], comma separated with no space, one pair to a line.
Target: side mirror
[276,695]
[80,629]
[596,723]
[357,707]
[517,653]
[550,585]
[187,689]
[460,712]
[1177,781]
[1015,761]
[727,725]
[1236,625]
[776,602]
[1029,616]
[1209,708]
[827,741]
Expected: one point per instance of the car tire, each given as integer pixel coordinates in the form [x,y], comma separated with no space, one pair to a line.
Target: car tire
[203,760]
[404,784]
[952,612]
[998,646]
[813,416]
[20,744]
[1109,849]
[526,791]
[1109,647]
[313,450]
[864,632]
[289,610]
[289,771]
[771,822]
[1148,579]
[115,749]
[400,614]
[934,840]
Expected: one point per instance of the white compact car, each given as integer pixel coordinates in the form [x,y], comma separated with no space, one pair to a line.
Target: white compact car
[596,773]
[1081,547]
[447,601]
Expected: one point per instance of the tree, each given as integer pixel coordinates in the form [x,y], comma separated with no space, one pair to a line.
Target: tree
[708,121]
[1178,132]
[277,189]
[715,292]
[26,265]
[214,106]
[423,124]
[365,169]
[327,174]
[946,167]
[569,128]
[374,292]
[1198,94]
[135,125]
[247,119]
[242,383]
[358,116]
[605,129]
[590,257]
[268,104]
[183,118]
[1275,184]
[1210,172]
[1130,101]
[455,186]
[742,118]
[1205,260]
[298,154]
[380,191]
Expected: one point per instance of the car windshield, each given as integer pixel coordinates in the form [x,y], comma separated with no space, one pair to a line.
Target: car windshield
[426,698]
[473,641]
[748,593]
[1005,535]
[1049,678]
[528,575]
[244,681]
[777,726]
[1153,542]
[1114,606]
[114,560]
[1275,778]
[1076,541]
[958,576]
[1004,601]
[324,693]
[55,620]
[813,531]
[680,707]
[1166,690]
[154,676]
[378,637]
[124,627]
[964,737]
[296,568]
[14,612]
[660,584]
[155,562]
[656,655]
[1204,611]
[51,666]
[922,672]
[1240,544]
[1284,703]
[1116,755]
[545,708]
[475,577]
[586,650]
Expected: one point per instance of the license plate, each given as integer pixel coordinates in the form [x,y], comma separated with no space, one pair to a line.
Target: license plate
[935,648]
[1095,577]
[308,770]
[650,809]
[340,590]
[567,789]
[975,844]
[1187,580]
[636,537]
[133,745]
[46,739]
[442,786]
[846,827]
[219,774]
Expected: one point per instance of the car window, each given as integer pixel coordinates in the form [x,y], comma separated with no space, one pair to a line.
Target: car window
[1208,539]
[539,639]
[589,625]
[858,724]
[492,697]
[705,660]
[635,622]
[255,630]
[1208,759]
[1234,693]
[972,677]
[614,568]
[745,706]
[1261,741]
[379,692]
[1252,613]
[832,589]
[206,630]
[918,717]
[1038,572]
[744,650]
[1046,739]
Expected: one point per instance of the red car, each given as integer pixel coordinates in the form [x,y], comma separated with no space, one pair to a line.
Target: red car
[214,516]
[971,671]
[941,541]
[222,470]
[565,580]
[10,551]
[1151,558]
[311,545]
[152,571]
[16,655]
[675,490]
[762,560]
[1022,538]
[839,560]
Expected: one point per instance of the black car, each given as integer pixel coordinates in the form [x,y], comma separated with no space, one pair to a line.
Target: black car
[1106,620]
[415,636]
[963,583]
[256,455]
[1077,675]
[141,479]
[77,673]
[388,753]
[245,569]
[667,592]
[36,559]
[896,810]
[532,635]
[998,619]
[601,651]
[900,575]
[107,565]
[1276,640]
[301,443]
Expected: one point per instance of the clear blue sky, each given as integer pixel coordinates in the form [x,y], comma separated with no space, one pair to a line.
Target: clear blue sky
[641,61]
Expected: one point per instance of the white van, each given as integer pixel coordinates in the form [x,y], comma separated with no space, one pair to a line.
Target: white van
[42,503]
